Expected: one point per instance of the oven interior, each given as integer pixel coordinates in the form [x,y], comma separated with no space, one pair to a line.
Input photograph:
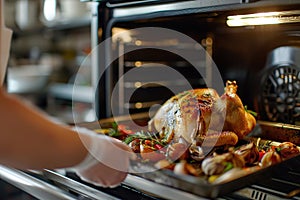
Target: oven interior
[249,54]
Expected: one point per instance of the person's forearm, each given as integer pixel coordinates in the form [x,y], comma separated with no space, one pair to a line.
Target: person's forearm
[30,141]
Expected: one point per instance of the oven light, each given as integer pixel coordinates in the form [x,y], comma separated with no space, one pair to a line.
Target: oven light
[137,84]
[138,43]
[138,105]
[265,18]
[138,64]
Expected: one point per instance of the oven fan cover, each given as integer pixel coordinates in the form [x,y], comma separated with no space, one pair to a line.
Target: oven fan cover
[280,97]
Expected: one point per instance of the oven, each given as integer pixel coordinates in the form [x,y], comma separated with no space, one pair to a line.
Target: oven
[145,51]
[239,41]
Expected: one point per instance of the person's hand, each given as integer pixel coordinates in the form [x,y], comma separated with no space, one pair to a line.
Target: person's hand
[107,162]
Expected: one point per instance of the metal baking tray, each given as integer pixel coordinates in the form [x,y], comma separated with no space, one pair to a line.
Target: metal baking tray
[276,131]
[199,185]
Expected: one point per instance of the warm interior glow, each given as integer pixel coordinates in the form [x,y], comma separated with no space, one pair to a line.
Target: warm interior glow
[264,18]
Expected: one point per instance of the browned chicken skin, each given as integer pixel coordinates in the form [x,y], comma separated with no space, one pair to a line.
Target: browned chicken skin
[201,115]
[237,120]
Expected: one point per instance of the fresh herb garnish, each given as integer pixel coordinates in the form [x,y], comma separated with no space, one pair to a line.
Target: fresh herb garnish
[250,111]
[228,166]
[114,132]
[144,135]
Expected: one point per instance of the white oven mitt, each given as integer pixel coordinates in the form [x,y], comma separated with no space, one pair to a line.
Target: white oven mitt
[5,38]
[107,163]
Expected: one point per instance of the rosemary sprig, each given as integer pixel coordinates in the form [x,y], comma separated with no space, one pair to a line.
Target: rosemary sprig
[250,111]
[143,135]
[114,132]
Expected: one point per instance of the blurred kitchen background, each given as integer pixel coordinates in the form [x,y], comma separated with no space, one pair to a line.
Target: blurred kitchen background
[51,40]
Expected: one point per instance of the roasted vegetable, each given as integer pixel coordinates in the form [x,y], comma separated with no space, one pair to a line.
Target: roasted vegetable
[288,150]
[219,164]
[270,158]
[249,152]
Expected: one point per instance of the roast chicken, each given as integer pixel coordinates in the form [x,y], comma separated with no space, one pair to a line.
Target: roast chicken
[202,117]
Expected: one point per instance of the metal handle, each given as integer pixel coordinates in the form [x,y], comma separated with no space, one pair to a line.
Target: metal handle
[77,187]
[158,189]
[32,185]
